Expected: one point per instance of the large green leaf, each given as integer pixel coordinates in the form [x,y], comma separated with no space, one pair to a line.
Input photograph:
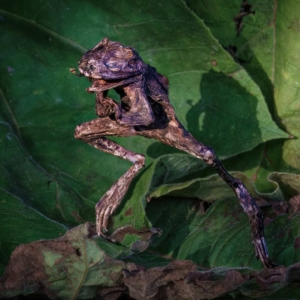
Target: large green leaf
[41,102]
[192,232]
[50,182]
[269,42]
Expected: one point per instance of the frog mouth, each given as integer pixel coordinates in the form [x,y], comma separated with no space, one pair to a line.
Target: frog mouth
[73,71]
[101,85]
[83,73]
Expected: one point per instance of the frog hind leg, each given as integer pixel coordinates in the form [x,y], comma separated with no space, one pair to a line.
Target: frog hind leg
[93,133]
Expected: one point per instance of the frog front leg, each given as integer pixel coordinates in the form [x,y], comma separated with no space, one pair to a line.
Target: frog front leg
[139,113]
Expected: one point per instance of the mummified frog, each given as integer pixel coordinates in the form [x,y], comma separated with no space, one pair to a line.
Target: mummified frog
[144,110]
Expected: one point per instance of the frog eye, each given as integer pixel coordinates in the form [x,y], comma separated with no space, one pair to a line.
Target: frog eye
[124,53]
[114,68]
[113,65]
[131,64]
[92,68]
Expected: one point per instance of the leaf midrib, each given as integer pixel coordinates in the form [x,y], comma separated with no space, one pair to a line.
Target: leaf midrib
[54,34]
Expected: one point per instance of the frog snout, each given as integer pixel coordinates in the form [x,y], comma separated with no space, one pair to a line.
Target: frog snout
[88,69]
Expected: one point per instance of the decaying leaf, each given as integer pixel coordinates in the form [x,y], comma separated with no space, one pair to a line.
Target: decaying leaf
[74,267]
[70,267]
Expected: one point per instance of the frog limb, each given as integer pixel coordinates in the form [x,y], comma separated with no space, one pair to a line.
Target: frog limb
[175,135]
[151,115]
[92,133]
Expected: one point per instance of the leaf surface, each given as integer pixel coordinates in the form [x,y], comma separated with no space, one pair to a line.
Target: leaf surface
[268,44]
[41,102]
[75,267]
[50,182]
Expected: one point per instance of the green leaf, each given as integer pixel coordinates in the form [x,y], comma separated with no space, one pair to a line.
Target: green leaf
[201,218]
[50,182]
[212,236]
[41,102]
[269,42]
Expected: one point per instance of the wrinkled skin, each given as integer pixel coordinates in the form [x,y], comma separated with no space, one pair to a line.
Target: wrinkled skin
[111,61]
[144,110]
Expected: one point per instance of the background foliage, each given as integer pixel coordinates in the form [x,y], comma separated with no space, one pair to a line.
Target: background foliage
[248,113]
